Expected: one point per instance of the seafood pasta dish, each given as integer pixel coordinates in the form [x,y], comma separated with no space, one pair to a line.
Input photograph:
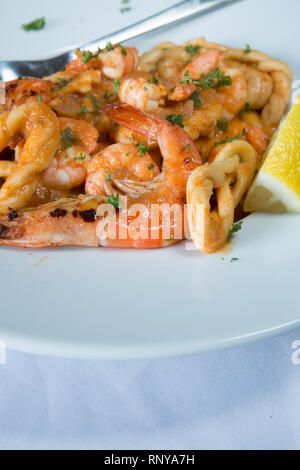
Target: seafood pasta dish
[126,151]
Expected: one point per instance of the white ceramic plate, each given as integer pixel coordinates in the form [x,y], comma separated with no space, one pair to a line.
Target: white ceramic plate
[129,304]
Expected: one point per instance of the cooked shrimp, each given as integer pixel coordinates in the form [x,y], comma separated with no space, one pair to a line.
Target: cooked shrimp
[83,131]
[234,97]
[199,66]
[115,62]
[39,126]
[20,91]
[120,166]
[67,170]
[81,222]
[143,93]
[119,62]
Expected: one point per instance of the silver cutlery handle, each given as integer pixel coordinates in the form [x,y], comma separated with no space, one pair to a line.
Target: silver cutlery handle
[175,14]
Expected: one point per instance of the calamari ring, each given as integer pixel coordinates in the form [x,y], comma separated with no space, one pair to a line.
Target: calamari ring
[38,124]
[229,175]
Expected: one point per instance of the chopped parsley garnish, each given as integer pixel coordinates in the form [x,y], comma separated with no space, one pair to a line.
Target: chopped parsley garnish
[107,95]
[196,98]
[108,178]
[82,157]
[150,167]
[109,46]
[35,25]
[234,259]
[125,9]
[95,104]
[68,137]
[248,49]
[187,147]
[215,79]
[228,141]
[222,125]
[61,83]
[117,86]
[84,110]
[142,149]
[236,228]
[153,79]
[124,51]
[192,50]
[246,110]
[115,201]
[40,99]
[145,89]
[88,55]
[176,119]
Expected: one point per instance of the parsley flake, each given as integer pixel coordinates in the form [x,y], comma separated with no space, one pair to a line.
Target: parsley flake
[222,125]
[107,95]
[215,79]
[176,119]
[95,104]
[248,49]
[117,86]
[82,157]
[228,141]
[236,228]
[246,110]
[196,98]
[68,137]
[142,149]
[35,25]
[192,50]
[115,201]
[84,110]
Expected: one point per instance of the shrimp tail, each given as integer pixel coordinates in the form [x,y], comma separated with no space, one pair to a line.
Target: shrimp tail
[150,126]
[132,118]
[67,222]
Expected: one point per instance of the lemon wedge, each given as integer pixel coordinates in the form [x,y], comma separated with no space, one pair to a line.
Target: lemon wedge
[277,185]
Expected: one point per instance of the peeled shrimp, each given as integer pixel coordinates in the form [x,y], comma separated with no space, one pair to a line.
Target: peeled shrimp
[120,167]
[234,97]
[142,93]
[68,169]
[119,62]
[199,66]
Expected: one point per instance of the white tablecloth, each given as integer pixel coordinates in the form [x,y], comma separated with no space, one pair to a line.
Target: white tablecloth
[245,398]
